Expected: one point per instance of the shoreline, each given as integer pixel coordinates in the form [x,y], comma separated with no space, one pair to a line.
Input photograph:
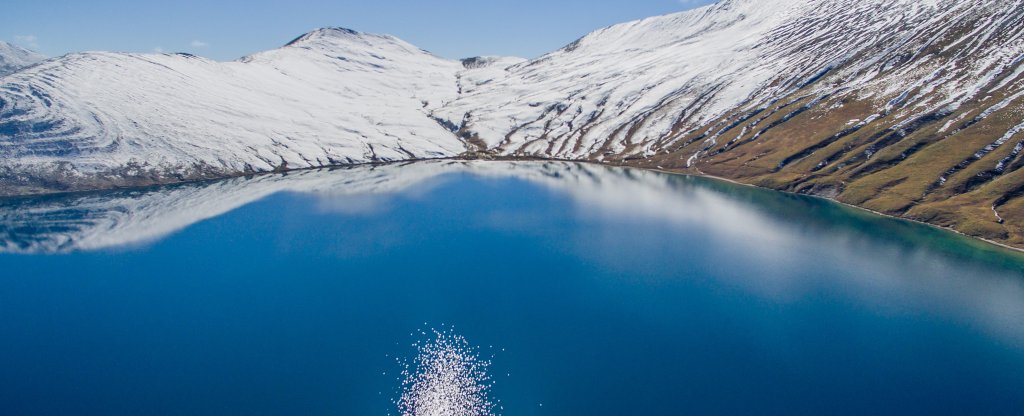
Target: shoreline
[1016,250]
[464,158]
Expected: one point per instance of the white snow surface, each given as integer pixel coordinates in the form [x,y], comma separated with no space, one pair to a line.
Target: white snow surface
[333,96]
[336,96]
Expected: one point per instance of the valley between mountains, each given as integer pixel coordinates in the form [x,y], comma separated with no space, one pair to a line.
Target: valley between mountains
[912,108]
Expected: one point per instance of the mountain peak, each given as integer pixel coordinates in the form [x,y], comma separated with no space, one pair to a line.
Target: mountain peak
[14,57]
[333,34]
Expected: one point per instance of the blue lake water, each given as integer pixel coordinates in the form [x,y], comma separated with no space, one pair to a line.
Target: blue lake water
[592,291]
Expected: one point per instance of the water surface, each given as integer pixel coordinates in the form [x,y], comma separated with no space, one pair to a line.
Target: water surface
[590,290]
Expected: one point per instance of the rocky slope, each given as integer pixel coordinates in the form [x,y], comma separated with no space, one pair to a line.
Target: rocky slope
[14,58]
[913,108]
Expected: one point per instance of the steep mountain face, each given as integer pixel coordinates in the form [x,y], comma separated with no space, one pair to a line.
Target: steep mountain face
[13,58]
[913,108]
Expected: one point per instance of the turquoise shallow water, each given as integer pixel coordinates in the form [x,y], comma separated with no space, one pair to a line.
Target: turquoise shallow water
[591,290]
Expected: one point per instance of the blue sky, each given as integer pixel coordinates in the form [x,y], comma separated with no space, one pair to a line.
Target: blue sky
[230,29]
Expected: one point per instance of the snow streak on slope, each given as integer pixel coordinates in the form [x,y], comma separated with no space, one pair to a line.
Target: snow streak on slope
[14,58]
[571,102]
[635,88]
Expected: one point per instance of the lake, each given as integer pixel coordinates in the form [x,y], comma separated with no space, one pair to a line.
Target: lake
[575,289]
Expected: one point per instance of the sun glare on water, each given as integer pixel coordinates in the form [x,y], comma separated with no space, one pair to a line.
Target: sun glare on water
[446,378]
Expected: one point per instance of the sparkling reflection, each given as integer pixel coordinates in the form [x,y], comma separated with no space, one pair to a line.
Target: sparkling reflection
[447,377]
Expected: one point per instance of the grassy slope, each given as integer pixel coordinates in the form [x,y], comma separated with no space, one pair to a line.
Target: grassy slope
[901,177]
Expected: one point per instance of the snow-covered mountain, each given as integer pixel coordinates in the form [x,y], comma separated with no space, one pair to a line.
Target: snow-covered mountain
[13,58]
[909,107]
[330,97]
